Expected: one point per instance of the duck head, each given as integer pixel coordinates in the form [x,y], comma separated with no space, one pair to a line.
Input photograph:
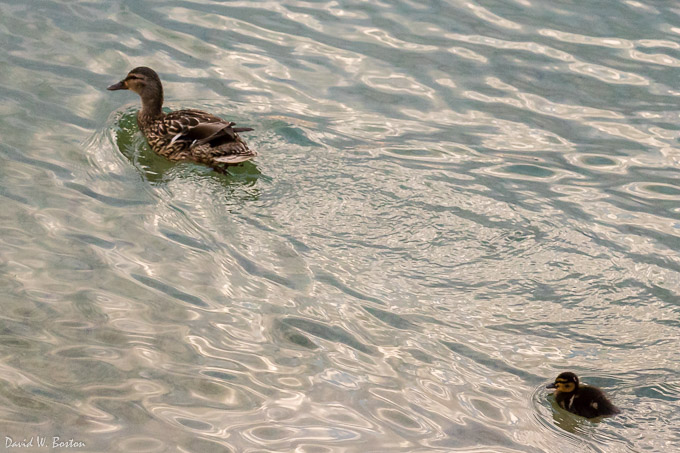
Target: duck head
[566,382]
[139,80]
[146,83]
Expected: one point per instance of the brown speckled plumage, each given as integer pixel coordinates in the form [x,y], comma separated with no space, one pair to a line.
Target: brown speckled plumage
[184,134]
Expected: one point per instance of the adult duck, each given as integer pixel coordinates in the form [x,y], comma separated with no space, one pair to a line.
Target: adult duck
[184,134]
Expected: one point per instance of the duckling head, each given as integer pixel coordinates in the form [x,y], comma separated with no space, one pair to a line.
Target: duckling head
[566,382]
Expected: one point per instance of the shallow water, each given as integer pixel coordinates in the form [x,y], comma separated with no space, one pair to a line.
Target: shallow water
[454,201]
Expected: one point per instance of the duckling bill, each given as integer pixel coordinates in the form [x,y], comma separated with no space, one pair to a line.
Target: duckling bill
[184,134]
[582,400]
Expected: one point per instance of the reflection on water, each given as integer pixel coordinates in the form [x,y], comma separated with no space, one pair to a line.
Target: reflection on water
[452,202]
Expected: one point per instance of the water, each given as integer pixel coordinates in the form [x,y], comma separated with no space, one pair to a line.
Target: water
[454,201]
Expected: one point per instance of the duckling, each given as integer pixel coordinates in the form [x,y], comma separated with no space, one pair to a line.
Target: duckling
[581,400]
[184,134]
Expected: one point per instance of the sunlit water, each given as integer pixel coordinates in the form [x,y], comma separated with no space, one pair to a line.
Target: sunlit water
[453,202]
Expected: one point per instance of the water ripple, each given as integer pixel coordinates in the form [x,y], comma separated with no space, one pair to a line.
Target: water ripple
[452,202]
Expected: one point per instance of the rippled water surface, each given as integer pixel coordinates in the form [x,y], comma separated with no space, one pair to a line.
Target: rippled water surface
[453,202]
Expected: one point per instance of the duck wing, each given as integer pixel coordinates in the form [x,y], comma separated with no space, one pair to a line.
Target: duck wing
[592,402]
[196,128]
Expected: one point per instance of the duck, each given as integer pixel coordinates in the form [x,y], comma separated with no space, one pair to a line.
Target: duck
[582,400]
[184,135]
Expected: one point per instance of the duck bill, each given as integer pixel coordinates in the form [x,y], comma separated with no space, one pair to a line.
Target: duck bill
[118,86]
[551,386]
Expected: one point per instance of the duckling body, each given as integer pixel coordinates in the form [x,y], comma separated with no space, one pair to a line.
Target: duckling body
[184,134]
[582,400]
